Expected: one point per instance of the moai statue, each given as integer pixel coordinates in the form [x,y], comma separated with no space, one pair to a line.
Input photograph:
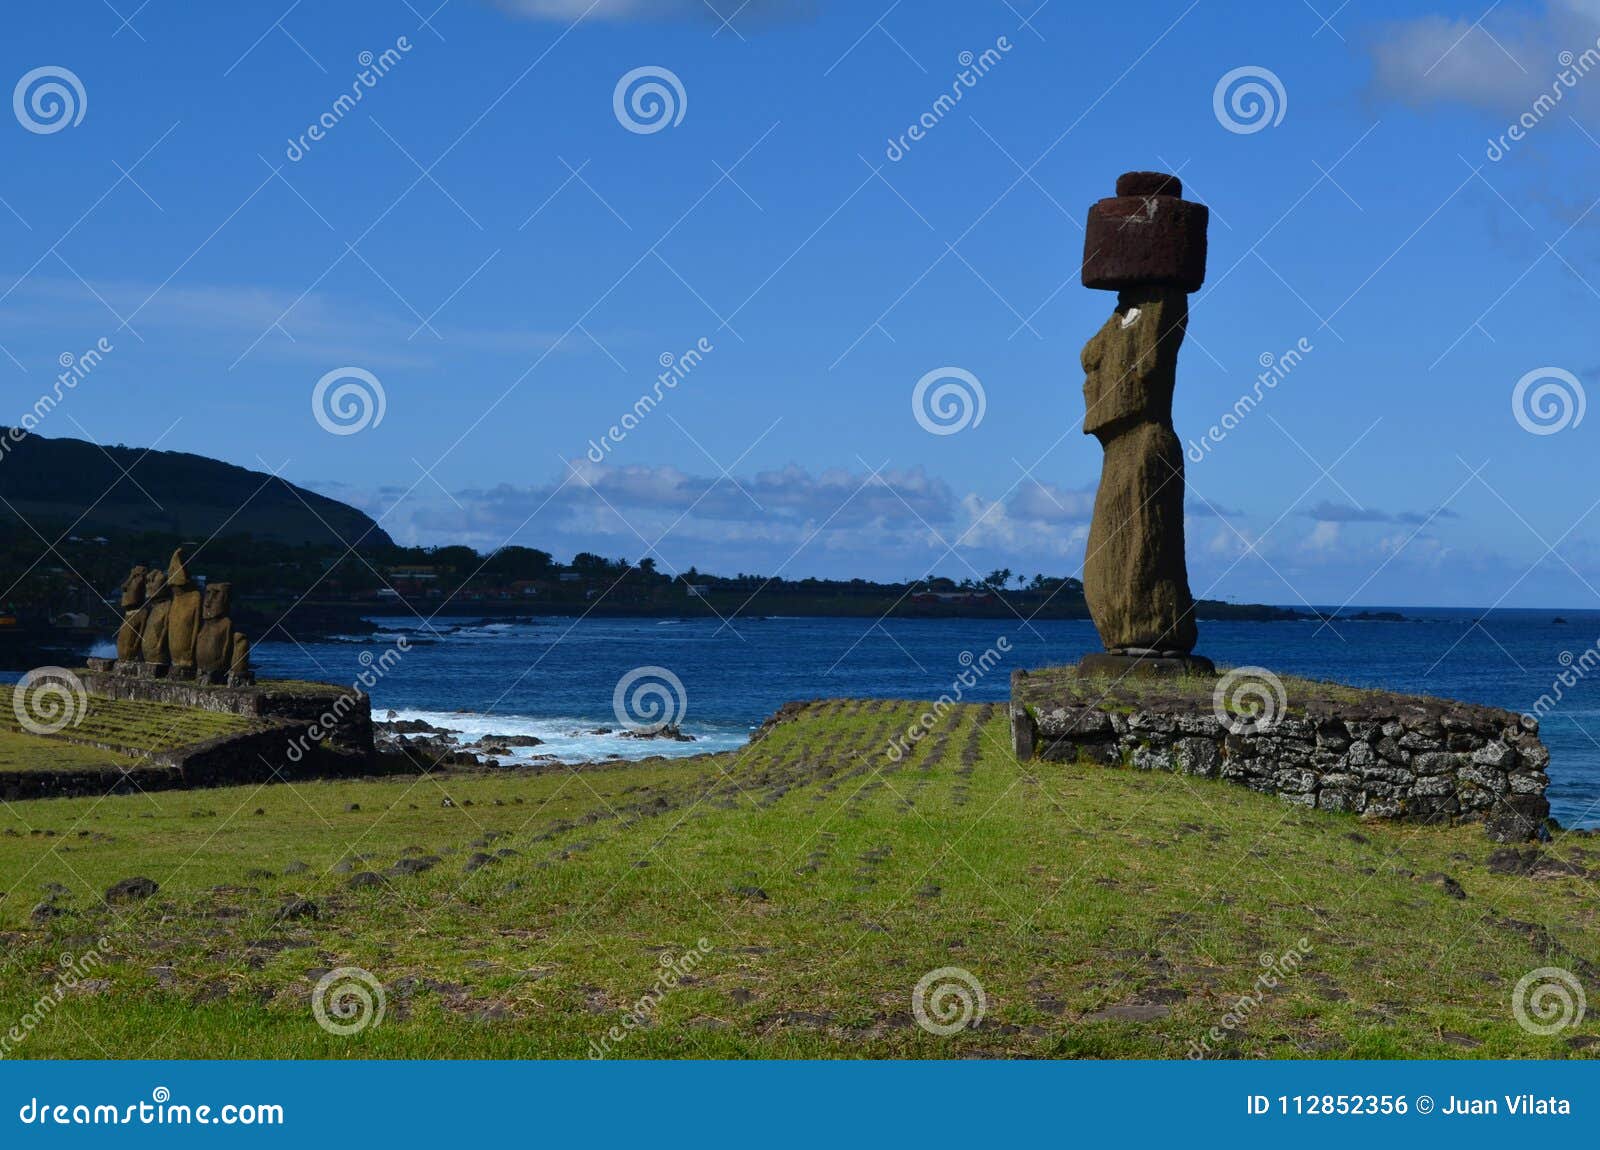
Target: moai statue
[129,633]
[213,648]
[153,647]
[183,617]
[1149,246]
[239,672]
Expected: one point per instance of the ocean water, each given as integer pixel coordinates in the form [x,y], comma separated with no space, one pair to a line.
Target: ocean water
[556,678]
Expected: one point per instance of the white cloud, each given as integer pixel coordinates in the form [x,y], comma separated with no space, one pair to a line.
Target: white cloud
[1499,65]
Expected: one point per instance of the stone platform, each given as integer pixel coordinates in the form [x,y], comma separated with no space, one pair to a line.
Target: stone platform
[1373,753]
[342,715]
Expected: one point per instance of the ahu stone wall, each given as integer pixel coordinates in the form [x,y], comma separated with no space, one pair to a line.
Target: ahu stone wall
[1384,756]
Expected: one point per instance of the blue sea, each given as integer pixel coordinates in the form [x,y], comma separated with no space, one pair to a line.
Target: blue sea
[557,678]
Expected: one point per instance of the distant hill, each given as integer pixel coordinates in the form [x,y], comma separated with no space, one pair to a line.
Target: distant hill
[52,482]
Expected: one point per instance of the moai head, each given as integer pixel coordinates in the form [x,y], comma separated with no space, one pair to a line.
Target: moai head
[133,587]
[178,571]
[155,583]
[218,597]
[1145,236]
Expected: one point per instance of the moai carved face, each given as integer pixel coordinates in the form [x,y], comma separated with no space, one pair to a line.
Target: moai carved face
[133,587]
[218,596]
[155,583]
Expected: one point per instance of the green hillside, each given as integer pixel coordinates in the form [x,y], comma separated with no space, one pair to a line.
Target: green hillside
[69,483]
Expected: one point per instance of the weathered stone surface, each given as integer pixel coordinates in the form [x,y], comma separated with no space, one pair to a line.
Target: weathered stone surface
[239,673]
[1171,728]
[129,634]
[1145,235]
[153,638]
[1135,577]
[213,645]
[183,617]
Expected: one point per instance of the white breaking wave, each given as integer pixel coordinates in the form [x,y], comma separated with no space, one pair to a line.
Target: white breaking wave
[569,740]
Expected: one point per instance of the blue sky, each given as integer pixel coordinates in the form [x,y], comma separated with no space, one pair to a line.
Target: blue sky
[485,236]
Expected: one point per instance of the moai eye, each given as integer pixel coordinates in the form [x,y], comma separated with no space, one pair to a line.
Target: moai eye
[1128,319]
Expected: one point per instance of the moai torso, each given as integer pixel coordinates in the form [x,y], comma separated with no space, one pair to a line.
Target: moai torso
[130,633]
[153,640]
[239,673]
[213,650]
[183,617]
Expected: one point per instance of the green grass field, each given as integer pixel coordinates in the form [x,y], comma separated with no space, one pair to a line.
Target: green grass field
[133,729]
[1105,913]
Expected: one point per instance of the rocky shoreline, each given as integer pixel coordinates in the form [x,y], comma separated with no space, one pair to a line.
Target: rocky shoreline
[430,745]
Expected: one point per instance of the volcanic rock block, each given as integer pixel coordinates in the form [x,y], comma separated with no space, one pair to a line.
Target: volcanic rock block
[1145,235]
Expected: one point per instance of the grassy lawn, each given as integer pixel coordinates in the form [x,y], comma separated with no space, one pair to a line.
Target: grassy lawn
[135,728]
[1105,913]
[20,751]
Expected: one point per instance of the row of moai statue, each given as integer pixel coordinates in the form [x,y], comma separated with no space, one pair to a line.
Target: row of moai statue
[171,630]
